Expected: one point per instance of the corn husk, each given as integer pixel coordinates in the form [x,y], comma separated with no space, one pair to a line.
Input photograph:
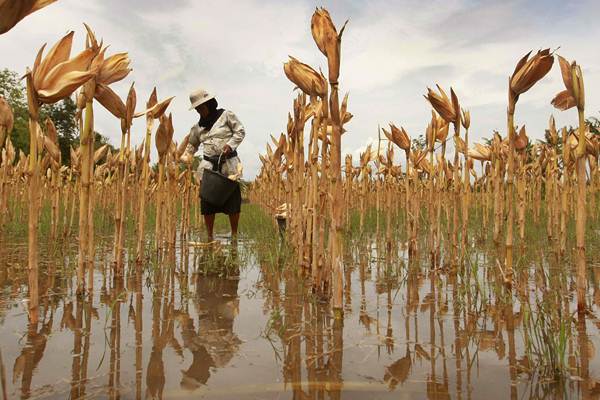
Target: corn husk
[100,153]
[130,105]
[75,157]
[529,71]
[328,40]
[592,147]
[50,141]
[51,130]
[152,100]
[460,145]
[521,140]
[6,115]
[8,154]
[442,132]
[164,135]
[45,164]
[13,11]
[398,136]
[110,100]
[113,69]
[52,149]
[59,53]
[312,110]
[574,94]
[456,107]
[156,109]
[6,121]
[480,152]
[443,105]
[305,78]
[466,119]
[183,146]
[552,130]
[563,101]
[280,144]
[322,29]
[56,76]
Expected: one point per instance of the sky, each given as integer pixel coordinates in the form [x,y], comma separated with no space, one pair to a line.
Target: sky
[391,52]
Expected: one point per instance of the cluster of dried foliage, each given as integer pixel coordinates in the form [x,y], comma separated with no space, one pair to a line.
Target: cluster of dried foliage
[122,184]
[310,191]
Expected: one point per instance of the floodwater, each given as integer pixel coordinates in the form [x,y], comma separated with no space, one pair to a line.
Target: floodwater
[236,325]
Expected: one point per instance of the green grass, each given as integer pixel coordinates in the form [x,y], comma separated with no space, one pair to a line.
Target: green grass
[546,332]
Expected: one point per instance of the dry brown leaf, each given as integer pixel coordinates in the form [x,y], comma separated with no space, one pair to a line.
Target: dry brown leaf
[530,70]
[113,69]
[59,53]
[305,78]
[110,100]
[100,153]
[442,104]
[328,40]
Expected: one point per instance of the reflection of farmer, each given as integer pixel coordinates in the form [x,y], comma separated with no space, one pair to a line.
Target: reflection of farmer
[220,132]
[155,373]
[199,371]
[214,343]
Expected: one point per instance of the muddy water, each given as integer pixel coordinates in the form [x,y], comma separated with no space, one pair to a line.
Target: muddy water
[235,325]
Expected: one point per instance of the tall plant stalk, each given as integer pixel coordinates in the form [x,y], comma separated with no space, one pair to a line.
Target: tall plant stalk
[34,202]
[142,191]
[86,143]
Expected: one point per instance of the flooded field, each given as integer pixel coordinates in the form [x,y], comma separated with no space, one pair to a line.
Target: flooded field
[240,322]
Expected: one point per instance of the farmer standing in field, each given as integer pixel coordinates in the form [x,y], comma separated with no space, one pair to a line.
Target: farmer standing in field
[220,132]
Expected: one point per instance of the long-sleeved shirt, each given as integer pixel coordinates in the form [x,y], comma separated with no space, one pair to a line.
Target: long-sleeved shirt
[227,130]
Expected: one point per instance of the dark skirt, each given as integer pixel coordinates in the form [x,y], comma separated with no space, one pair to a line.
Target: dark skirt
[233,205]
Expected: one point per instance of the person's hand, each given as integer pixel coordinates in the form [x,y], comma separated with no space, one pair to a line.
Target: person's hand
[227,150]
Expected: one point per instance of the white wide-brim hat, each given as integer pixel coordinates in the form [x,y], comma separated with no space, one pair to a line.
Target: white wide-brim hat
[198,97]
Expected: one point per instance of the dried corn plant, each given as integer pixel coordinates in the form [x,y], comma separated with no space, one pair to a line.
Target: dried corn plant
[423,201]
[164,137]
[449,109]
[13,11]
[154,110]
[501,182]
[526,74]
[53,77]
[574,96]
[123,172]
[313,186]
[105,71]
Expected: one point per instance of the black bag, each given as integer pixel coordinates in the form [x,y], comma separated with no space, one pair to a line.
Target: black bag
[216,188]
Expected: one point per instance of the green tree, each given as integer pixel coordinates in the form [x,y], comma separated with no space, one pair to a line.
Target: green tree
[62,114]
[13,90]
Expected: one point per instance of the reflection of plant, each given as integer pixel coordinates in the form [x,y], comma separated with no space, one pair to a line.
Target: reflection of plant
[275,326]
[399,371]
[546,334]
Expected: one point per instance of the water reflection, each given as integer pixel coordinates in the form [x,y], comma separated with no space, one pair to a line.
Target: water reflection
[31,354]
[213,343]
[397,372]
[237,323]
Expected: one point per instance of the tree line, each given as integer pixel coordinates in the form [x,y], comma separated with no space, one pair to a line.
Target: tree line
[63,114]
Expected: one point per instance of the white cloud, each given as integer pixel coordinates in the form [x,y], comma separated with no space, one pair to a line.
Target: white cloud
[391,52]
